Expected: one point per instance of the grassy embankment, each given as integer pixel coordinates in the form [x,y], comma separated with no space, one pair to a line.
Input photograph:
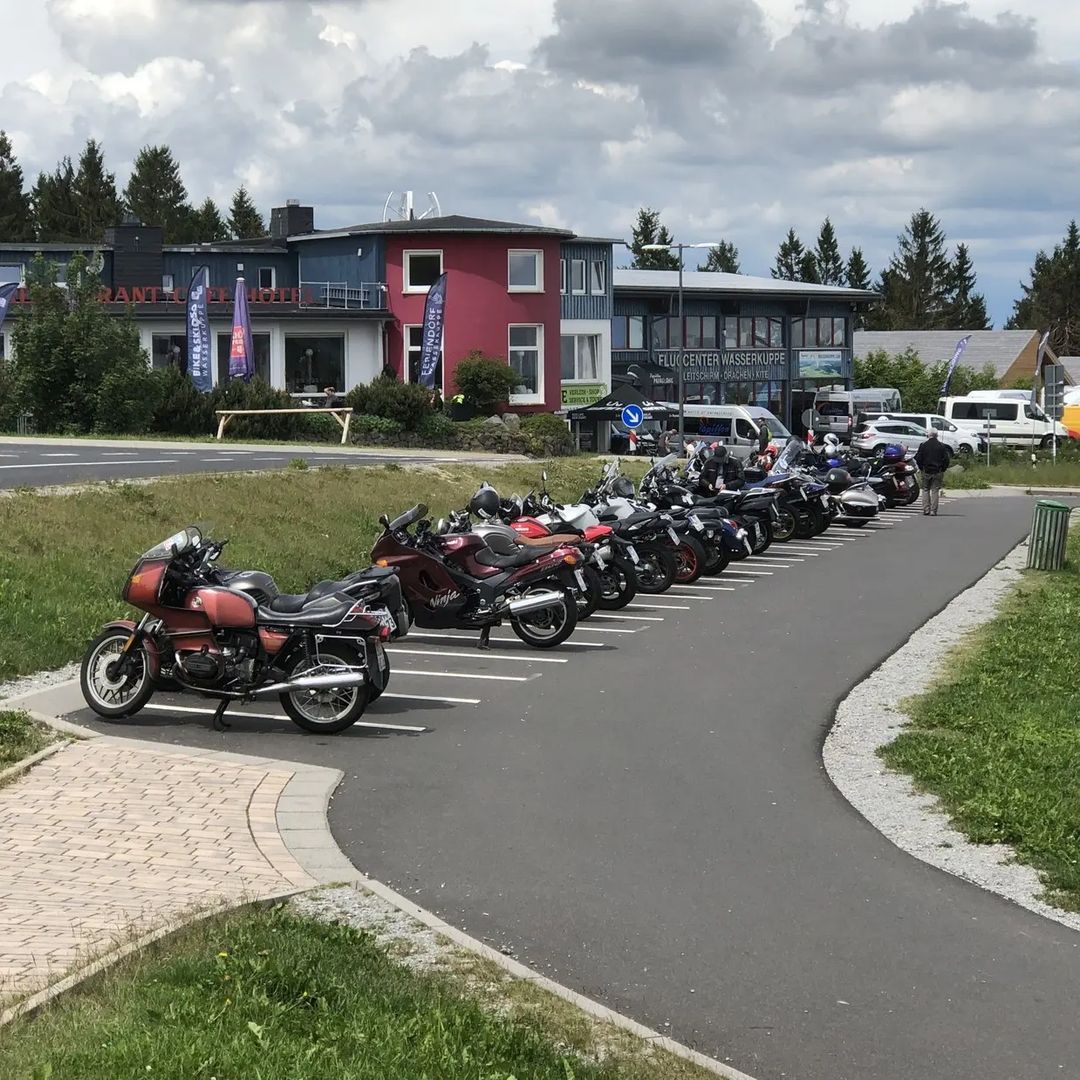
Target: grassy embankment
[998,740]
[64,559]
[21,736]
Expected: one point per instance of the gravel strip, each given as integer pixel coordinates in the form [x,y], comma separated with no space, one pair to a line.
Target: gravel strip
[869,718]
[42,680]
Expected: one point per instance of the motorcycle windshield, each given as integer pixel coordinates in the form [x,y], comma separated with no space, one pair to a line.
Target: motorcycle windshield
[176,544]
[787,457]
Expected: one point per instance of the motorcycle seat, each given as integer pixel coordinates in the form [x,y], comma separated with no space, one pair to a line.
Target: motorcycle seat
[487,557]
[609,517]
[328,610]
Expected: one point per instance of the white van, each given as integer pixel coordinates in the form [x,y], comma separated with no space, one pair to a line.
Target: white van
[1012,421]
[736,426]
[836,412]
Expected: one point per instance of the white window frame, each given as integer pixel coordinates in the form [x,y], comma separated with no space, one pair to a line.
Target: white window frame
[406,258]
[594,266]
[168,284]
[562,277]
[577,377]
[584,264]
[538,262]
[273,277]
[538,397]
[406,330]
[22,273]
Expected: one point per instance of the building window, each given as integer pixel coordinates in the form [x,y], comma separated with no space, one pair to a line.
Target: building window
[525,271]
[313,363]
[421,270]
[168,284]
[414,337]
[597,277]
[267,277]
[12,274]
[261,344]
[562,276]
[823,333]
[577,277]
[580,357]
[759,332]
[526,358]
[168,350]
[628,332]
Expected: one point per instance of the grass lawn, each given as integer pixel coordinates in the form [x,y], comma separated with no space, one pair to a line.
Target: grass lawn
[998,740]
[20,736]
[273,996]
[64,558]
[1017,471]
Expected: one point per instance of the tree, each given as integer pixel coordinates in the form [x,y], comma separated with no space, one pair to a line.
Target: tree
[16,220]
[790,258]
[827,261]
[245,222]
[56,211]
[1051,300]
[650,230]
[857,272]
[808,270]
[79,368]
[97,204]
[156,195]
[486,382]
[917,284]
[724,258]
[207,224]
[967,308]
[919,385]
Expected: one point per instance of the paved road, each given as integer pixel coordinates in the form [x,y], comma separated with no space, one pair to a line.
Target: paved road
[40,463]
[651,824]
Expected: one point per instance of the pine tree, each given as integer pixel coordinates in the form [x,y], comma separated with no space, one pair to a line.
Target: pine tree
[724,258]
[650,230]
[827,261]
[156,195]
[245,222]
[56,210]
[16,220]
[208,225]
[967,308]
[97,204]
[790,258]
[857,272]
[808,270]
[917,285]
[1051,300]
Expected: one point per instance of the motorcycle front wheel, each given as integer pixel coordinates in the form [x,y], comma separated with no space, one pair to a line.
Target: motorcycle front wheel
[325,711]
[549,626]
[112,685]
[656,571]
[765,537]
[784,527]
[588,600]
[717,558]
[813,524]
[617,588]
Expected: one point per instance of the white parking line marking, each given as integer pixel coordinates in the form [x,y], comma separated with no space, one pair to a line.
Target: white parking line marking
[485,655]
[453,636]
[740,581]
[630,618]
[276,716]
[690,596]
[790,560]
[659,607]
[75,464]
[430,697]
[465,675]
[796,551]
[698,587]
[59,455]
[755,573]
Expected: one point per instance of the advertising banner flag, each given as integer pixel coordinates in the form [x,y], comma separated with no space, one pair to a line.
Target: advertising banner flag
[7,295]
[1040,352]
[242,350]
[198,331]
[961,345]
[432,330]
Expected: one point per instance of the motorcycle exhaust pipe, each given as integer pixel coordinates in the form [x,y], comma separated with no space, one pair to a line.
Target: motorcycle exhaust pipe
[315,682]
[535,602]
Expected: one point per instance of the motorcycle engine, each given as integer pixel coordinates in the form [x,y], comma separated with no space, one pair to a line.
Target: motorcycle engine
[235,664]
[201,667]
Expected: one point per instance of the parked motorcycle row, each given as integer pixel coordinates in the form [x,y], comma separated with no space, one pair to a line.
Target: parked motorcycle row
[530,562]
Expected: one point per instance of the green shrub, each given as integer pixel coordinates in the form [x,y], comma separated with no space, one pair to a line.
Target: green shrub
[405,403]
[546,435]
[373,427]
[438,428]
[180,408]
[485,381]
[9,401]
[237,394]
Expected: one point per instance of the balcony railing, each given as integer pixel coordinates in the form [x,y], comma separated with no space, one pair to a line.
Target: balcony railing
[367,296]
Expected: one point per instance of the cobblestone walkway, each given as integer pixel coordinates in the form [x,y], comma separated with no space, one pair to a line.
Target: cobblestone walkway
[111,838]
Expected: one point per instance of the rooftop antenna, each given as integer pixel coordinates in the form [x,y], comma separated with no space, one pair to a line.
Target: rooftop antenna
[400,207]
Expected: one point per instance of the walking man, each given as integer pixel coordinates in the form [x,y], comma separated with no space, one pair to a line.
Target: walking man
[933,459]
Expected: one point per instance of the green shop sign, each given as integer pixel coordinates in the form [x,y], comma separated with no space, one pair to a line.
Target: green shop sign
[577,394]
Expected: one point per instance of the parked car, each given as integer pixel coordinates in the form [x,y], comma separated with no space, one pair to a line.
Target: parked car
[956,439]
[872,436]
[1011,421]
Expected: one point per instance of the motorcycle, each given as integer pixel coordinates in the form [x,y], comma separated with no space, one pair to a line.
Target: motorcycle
[196,635]
[466,581]
[802,504]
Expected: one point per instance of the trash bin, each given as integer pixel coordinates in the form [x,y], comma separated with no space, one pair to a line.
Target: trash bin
[1049,535]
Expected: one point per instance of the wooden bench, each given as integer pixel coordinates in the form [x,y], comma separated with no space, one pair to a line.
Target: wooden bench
[342,416]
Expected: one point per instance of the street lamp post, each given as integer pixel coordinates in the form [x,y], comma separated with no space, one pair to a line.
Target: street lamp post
[680,248]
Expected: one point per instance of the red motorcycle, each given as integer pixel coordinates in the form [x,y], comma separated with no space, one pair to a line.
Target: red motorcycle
[466,581]
[323,660]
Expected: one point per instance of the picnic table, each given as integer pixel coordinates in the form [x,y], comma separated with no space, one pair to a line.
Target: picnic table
[342,416]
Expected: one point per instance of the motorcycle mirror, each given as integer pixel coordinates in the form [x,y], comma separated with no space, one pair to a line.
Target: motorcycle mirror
[384,521]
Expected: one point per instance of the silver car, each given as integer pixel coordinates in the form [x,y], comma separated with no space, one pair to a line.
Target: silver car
[872,436]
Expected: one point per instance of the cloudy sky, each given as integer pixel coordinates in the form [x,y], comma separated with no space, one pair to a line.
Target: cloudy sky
[737,118]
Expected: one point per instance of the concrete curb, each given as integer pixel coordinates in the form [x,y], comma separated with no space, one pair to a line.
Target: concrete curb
[29,762]
[870,718]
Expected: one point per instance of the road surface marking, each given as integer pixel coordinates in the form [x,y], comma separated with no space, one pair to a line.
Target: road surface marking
[658,607]
[755,573]
[75,464]
[59,455]
[395,649]
[629,618]
[460,636]
[464,675]
[274,716]
[697,587]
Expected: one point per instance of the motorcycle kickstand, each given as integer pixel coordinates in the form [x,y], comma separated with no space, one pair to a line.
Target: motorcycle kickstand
[219,723]
[485,634]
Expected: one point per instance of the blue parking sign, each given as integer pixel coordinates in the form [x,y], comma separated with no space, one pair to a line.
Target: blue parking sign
[632,416]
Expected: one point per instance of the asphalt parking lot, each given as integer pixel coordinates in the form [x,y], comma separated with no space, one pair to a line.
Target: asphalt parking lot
[642,814]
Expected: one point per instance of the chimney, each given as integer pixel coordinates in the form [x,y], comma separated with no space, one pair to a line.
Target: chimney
[291,219]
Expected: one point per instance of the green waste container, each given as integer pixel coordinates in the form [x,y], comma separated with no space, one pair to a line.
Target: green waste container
[1049,535]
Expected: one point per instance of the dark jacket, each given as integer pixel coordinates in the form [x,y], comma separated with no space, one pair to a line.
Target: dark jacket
[932,457]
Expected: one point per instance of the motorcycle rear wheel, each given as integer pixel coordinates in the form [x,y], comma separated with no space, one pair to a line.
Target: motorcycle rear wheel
[550,626]
[765,531]
[588,601]
[120,694]
[656,571]
[326,712]
[689,561]
[813,524]
[385,656]
[785,526]
[717,559]
[617,588]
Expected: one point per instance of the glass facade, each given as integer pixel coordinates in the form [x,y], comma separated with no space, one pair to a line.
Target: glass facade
[313,363]
[261,342]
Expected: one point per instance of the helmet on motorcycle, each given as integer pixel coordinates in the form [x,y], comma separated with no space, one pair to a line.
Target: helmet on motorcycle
[832,442]
[834,463]
[485,503]
[893,454]
[622,487]
[838,480]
